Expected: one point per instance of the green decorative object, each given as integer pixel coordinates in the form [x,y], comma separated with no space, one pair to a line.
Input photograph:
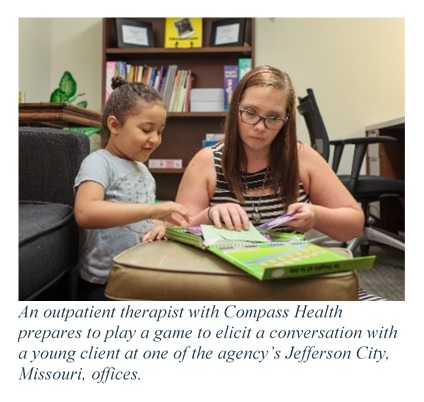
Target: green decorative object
[67,91]
[94,134]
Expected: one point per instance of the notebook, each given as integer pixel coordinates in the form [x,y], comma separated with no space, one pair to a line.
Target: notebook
[266,254]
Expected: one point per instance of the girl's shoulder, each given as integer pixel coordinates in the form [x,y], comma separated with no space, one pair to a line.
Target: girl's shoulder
[99,154]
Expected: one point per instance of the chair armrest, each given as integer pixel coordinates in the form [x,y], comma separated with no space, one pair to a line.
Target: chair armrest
[361,145]
[369,140]
[339,146]
[337,153]
[49,160]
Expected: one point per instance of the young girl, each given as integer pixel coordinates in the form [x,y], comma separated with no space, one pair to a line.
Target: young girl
[115,192]
[261,170]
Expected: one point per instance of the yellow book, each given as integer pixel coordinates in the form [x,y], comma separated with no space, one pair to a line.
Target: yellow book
[183,32]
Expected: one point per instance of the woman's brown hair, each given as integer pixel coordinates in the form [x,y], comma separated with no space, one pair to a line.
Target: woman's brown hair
[283,167]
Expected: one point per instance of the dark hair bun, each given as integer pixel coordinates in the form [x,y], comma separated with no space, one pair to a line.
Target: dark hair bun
[118,81]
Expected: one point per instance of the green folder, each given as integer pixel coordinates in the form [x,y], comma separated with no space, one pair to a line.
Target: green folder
[268,255]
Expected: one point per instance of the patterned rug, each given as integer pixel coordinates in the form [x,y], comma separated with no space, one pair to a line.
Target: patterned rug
[363,295]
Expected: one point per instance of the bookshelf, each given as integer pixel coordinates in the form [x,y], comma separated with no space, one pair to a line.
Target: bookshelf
[184,131]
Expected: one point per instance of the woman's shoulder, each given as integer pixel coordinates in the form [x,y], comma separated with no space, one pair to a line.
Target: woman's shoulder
[305,151]
[202,160]
[311,164]
[205,153]
[303,147]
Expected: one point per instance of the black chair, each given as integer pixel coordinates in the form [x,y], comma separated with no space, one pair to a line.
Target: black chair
[49,238]
[365,188]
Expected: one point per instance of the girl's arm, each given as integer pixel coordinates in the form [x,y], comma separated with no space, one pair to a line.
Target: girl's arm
[92,211]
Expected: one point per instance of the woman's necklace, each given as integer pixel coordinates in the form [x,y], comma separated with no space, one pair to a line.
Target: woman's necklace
[256,216]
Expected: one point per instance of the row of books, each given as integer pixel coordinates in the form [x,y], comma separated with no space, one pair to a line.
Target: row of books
[174,84]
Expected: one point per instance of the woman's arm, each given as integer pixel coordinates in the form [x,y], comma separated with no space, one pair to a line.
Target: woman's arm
[197,186]
[333,210]
[196,190]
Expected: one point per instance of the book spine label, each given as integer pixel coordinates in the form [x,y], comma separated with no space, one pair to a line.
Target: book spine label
[230,82]
[321,268]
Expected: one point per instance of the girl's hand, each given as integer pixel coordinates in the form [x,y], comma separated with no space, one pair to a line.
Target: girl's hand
[157,233]
[231,215]
[164,211]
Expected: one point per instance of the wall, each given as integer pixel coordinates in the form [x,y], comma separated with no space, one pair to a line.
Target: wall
[356,66]
[51,46]
[34,58]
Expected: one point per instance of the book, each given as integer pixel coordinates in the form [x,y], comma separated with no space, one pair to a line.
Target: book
[110,73]
[177,105]
[215,136]
[212,139]
[121,69]
[129,72]
[209,143]
[189,85]
[139,74]
[183,32]
[267,254]
[184,93]
[169,84]
[230,82]
[159,78]
[174,90]
[244,66]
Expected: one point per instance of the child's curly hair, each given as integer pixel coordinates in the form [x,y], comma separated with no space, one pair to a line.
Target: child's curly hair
[126,99]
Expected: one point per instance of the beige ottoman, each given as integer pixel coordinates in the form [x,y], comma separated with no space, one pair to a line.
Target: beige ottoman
[167,270]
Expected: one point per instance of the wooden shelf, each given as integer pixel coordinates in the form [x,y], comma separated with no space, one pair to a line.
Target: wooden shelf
[162,51]
[197,114]
[57,115]
[166,171]
[184,132]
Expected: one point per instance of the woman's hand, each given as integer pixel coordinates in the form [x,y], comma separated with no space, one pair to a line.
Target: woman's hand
[304,219]
[230,215]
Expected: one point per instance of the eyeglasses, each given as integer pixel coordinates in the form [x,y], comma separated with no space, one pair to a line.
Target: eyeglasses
[270,122]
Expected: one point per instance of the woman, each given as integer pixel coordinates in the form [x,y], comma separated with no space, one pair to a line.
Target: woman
[261,170]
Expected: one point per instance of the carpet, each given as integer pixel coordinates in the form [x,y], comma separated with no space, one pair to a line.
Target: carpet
[387,278]
[363,295]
